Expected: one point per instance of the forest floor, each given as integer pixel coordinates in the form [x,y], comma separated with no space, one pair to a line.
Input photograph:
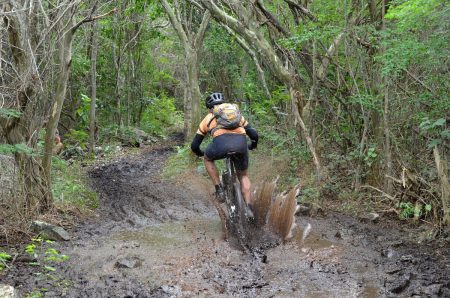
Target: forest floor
[157,238]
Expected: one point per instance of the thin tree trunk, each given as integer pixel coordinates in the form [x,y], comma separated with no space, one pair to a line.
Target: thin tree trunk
[65,58]
[388,184]
[192,44]
[92,120]
[441,165]
[309,141]
[195,95]
[244,71]
[362,146]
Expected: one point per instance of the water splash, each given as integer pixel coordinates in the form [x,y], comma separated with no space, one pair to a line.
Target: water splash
[281,215]
[274,218]
[306,232]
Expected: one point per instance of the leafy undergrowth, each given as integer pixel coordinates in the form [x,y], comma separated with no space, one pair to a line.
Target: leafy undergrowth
[70,186]
[41,260]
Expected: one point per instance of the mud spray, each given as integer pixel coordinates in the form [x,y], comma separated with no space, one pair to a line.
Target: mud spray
[273,223]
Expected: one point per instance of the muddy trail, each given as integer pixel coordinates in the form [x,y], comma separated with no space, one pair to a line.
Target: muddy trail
[158,238]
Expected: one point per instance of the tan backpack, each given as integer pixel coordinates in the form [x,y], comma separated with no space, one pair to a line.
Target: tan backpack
[228,116]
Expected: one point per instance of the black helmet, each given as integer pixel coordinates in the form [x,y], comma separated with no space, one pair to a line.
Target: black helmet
[214,99]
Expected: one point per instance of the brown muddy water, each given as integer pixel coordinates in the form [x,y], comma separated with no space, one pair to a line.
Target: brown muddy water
[158,238]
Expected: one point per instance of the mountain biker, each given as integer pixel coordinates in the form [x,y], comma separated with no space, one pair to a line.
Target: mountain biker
[225,141]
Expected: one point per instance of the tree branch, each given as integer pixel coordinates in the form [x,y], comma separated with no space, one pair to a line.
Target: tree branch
[254,57]
[302,9]
[419,81]
[91,19]
[330,52]
[175,22]
[202,29]
[195,3]
[272,19]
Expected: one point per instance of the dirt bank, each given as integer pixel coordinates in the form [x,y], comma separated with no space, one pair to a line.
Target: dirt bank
[155,238]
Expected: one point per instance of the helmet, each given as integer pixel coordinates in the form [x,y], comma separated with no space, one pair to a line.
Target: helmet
[214,99]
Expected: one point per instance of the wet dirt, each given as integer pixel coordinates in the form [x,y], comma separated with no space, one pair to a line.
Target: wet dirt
[159,238]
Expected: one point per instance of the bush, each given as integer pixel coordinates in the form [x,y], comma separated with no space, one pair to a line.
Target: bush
[159,115]
[69,186]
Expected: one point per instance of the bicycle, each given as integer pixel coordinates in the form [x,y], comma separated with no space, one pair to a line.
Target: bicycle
[238,215]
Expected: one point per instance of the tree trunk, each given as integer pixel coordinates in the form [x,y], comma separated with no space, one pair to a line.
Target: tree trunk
[388,184]
[65,58]
[194,91]
[25,98]
[92,120]
[442,169]
[192,44]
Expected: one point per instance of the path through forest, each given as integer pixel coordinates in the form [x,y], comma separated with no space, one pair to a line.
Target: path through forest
[156,238]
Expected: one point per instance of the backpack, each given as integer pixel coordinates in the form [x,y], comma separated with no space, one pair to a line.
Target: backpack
[228,117]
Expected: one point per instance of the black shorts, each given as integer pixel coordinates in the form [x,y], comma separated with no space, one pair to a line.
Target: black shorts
[226,143]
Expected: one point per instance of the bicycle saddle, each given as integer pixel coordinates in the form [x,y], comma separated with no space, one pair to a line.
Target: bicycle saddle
[232,153]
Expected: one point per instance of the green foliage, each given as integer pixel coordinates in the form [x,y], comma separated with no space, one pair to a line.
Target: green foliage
[31,249]
[159,115]
[46,265]
[436,130]
[221,45]
[330,22]
[125,135]
[52,255]
[83,110]
[371,155]
[409,210]
[408,13]
[36,293]
[17,148]
[4,257]
[415,36]
[9,113]
[69,185]
[406,209]
[49,268]
[179,162]
[309,194]
[80,64]
[75,138]
[367,101]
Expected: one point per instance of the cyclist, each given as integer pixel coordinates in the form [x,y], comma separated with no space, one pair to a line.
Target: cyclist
[225,141]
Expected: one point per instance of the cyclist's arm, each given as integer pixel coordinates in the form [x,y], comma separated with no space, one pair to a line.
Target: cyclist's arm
[253,135]
[195,145]
[200,135]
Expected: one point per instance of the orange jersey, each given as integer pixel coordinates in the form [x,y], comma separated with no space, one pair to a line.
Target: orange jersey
[203,128]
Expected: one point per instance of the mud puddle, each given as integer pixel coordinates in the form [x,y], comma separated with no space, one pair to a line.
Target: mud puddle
[158,238]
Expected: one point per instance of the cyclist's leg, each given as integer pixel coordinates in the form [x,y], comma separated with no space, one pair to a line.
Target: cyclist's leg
[212,170]
[245,186]
[241,163]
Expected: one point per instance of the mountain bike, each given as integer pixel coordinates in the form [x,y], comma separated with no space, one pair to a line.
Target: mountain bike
[238,215]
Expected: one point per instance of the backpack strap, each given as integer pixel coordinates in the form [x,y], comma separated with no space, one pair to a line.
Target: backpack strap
[211,132]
